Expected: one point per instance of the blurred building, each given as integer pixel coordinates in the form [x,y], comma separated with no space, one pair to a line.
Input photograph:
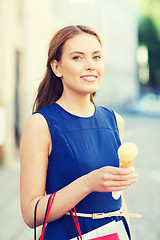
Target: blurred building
[11,59]
[26,28]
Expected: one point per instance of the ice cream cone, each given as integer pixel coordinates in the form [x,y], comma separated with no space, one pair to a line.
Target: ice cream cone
[126,153]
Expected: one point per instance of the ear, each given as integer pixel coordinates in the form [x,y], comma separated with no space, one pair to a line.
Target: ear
[56,68]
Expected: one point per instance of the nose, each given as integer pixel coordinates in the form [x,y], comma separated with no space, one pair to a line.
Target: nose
[89,65]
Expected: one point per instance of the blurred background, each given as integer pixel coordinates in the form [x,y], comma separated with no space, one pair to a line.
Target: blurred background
[130,32]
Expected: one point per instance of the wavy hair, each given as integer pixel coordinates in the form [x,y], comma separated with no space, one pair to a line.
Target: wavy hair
[51,88]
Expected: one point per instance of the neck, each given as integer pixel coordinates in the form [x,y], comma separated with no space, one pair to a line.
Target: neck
[78,105]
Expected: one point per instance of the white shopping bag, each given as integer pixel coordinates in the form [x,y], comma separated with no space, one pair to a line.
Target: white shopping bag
[109,228]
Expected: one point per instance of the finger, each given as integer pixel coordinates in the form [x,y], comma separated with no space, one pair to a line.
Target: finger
[118,177]
[115,189]
[118,184]
[120,171]
[123,177]
[126,171]
[123,183]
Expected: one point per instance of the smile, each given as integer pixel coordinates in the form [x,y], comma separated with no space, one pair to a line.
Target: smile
[89,78]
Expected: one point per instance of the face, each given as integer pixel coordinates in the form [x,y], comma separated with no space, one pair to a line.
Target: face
[81,66]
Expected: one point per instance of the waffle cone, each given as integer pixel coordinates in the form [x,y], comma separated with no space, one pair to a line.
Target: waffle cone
[127,153]
[126,164]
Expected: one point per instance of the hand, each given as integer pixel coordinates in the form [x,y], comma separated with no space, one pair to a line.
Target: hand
[110,179]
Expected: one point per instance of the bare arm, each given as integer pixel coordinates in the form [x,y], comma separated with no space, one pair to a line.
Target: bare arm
[120,124]
[34,151]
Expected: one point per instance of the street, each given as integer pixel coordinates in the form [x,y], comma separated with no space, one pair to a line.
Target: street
[143,197]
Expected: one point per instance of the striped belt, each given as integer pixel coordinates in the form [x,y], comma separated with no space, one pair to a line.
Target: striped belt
[105,215]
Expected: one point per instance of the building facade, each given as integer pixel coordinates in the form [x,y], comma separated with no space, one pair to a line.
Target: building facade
[26,29]
[11,58]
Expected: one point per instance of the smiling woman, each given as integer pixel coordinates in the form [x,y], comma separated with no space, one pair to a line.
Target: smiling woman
[51,88]
[69,145]
[80,69]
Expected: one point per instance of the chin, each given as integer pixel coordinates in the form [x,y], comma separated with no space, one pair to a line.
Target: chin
[92,90]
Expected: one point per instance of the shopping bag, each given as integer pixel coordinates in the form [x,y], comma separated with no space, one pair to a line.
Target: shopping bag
[112,229]
[113,236]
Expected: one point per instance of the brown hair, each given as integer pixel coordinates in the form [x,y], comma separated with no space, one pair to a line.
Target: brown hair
[51,87]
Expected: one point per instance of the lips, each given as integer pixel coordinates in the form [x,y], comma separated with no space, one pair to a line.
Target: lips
[89,78]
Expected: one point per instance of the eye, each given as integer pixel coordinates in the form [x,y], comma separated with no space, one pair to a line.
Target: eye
[97,57]
[77,57]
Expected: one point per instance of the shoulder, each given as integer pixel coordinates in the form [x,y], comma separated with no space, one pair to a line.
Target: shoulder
[114,115]
[105,112]
[115,119]
[120,124]
[35,136]
[120,121]
[36,120]
[36,125]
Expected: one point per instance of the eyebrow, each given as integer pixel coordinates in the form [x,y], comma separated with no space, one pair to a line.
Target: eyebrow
[78,52]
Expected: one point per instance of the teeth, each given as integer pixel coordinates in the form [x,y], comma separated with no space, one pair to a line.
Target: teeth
[87,77]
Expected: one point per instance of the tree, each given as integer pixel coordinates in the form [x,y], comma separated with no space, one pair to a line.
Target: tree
[151,8]
[149,35]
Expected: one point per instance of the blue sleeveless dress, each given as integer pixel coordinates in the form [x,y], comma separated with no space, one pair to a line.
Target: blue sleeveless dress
[79,146]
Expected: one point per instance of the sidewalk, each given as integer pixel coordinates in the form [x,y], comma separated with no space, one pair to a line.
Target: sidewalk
[12,226]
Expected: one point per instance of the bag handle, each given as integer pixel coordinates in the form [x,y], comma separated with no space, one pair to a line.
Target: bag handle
[48,208]
[35,212]
[75,218]
[49,205]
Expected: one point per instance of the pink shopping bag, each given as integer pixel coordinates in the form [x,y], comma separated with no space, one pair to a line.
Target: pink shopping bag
[113,236]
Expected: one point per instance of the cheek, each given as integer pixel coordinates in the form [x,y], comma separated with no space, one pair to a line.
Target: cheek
[101,68]
[71,69]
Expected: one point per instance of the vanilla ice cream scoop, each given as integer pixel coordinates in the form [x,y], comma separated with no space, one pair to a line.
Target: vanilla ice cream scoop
[126,153]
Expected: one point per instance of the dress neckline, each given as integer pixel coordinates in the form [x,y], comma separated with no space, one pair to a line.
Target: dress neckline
[76,116]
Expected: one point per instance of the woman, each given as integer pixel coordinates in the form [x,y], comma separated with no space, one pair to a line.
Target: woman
[69,144]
